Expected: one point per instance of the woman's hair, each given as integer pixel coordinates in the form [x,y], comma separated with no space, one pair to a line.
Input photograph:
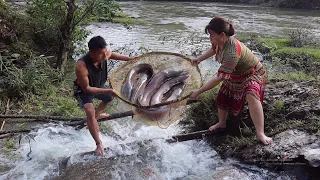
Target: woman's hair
[219,24]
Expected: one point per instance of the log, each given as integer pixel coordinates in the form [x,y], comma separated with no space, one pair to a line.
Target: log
[79,125]
[82,124]
[37,118]
[194,135]
[276,162]
[15,131]
[3,136]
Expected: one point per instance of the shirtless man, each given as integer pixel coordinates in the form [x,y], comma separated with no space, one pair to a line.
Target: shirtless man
[92,74]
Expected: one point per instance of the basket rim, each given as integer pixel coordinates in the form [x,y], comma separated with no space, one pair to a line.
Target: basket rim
[164,103]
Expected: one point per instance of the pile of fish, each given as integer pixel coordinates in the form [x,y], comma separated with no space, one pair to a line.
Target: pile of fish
[145,88]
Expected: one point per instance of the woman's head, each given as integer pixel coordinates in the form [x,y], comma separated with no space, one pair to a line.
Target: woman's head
[219,27]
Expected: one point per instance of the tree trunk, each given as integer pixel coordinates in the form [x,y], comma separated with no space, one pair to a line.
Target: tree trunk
[65,37]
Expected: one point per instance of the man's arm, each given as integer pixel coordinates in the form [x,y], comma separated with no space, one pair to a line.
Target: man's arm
[83,80]
[118,56]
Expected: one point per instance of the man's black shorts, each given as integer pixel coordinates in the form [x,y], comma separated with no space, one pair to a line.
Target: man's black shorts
[84,98]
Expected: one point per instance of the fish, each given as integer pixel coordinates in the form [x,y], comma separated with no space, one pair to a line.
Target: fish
[174,93]
[139,87]
[156,81]
[127,87]
[165,87]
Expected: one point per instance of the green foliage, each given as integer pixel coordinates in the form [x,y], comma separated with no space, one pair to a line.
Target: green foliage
[297,76]
[306,52]
[9,143]
[49,17]
[202,115]
[35,77]
[301,37]
[278,104]
[106,9]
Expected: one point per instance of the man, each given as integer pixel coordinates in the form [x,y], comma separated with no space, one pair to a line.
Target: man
[91,73]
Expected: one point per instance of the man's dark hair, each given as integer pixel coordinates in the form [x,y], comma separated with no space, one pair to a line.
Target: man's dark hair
[97,42]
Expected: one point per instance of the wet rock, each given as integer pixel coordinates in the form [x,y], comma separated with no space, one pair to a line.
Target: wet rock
[312,153]
[290,144]
[15,55]
[297,115]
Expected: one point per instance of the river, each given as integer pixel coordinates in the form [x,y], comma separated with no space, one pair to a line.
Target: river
[138,151]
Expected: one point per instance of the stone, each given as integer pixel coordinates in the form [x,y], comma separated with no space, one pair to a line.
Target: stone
[15,55]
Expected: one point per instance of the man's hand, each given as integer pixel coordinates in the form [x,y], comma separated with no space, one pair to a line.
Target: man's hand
[110,91]
[99,150]
[131,58]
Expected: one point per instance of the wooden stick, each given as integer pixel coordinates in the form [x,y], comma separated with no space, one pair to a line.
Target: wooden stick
[274,162]
[6,112]
[194,135]
[37,117]
[15,131]
[6,135]
[63,118]
[82,123]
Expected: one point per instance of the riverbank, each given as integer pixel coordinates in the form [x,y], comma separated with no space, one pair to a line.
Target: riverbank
[298,4]
[291,107]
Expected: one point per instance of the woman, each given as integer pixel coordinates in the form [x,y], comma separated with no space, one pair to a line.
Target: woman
[241,73]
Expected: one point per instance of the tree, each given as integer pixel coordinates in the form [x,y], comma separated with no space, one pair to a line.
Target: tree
[61,24]
[65,37]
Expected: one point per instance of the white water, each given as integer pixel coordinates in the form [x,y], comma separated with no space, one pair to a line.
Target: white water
[186,160]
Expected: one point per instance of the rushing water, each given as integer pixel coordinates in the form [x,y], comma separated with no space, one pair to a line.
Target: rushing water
[138,151]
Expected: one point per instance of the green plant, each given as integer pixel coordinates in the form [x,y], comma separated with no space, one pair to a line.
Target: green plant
[278,104]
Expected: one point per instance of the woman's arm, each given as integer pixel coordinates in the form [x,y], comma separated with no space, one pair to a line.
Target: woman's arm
[209,85]
[206,55]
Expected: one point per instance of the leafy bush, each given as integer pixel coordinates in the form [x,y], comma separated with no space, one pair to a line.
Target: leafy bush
[301,37]
[36,77]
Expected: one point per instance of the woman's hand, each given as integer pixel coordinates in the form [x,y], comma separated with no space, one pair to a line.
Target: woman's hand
[196,61]
[194,94]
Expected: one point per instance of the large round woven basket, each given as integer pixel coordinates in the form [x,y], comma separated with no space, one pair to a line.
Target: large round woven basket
[159,61]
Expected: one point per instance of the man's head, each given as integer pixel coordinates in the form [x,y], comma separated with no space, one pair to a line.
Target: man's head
[98,49]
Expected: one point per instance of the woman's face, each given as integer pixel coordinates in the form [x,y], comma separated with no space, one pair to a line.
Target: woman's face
[216,38]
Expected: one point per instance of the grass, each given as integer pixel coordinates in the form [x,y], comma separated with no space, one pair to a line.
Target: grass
[278,104]
[295,76]
[281,47]
[123,18]
[128,20]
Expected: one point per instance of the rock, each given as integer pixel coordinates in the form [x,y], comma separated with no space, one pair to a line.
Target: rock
[312,153]
[15,55]
[297,115]
[289,144]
